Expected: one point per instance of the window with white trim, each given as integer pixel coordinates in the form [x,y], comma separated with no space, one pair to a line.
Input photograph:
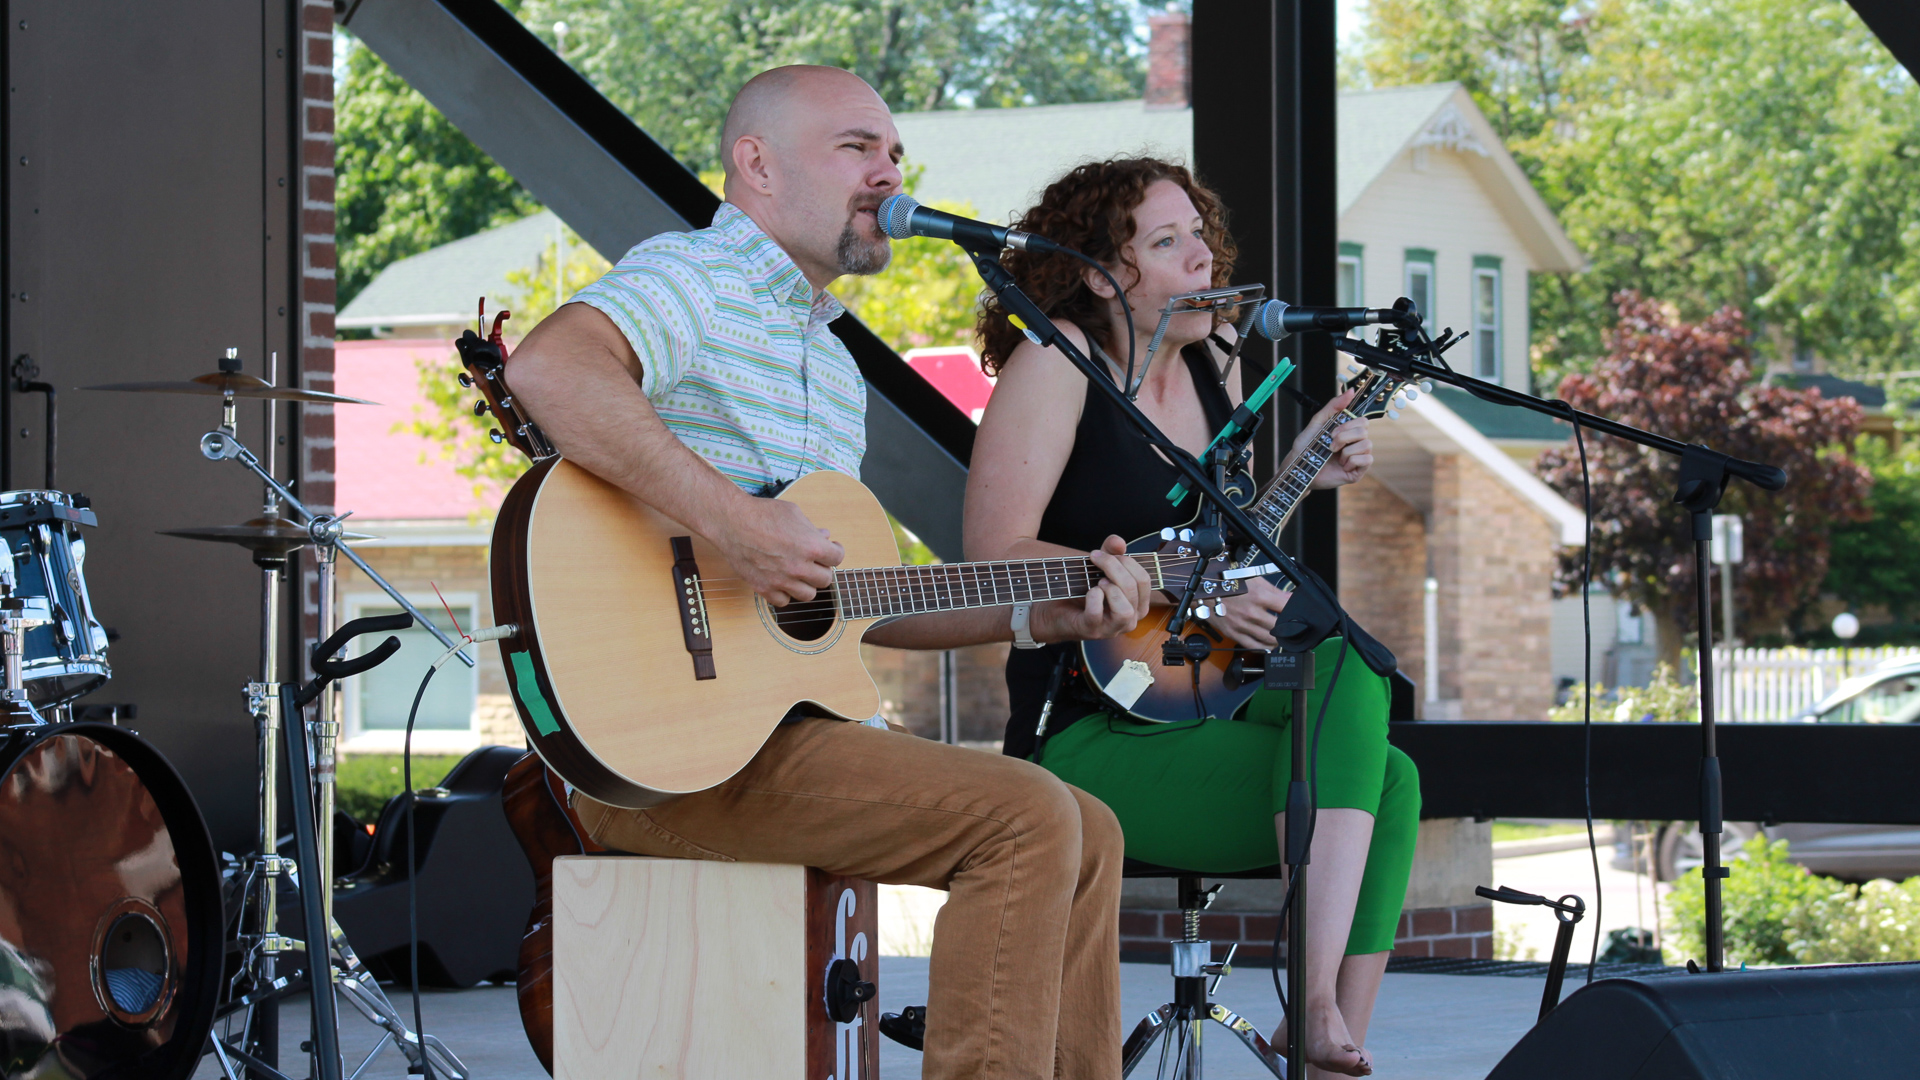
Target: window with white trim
[377,701]
[1418,285]
[1486,318]
[1350,282]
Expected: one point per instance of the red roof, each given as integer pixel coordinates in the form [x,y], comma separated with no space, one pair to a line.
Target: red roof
[955,372]
[381,473]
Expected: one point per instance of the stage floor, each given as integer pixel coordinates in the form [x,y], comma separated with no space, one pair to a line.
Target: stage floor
[1429,1027]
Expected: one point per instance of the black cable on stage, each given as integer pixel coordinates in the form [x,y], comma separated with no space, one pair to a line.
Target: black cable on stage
[1586,719]
[413,876]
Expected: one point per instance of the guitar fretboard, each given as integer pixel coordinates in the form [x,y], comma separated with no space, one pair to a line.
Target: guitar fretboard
[879,592]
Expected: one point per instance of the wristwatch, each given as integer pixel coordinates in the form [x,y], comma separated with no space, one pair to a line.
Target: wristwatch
[1022,632]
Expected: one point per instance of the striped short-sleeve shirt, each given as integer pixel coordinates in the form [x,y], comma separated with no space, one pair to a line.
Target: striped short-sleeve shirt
[735,351]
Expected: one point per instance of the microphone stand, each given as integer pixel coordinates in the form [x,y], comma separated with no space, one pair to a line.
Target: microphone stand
[1704,474]
[1311,616]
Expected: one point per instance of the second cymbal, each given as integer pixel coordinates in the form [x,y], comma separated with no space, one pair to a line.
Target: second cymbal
[270,534]
[237,384]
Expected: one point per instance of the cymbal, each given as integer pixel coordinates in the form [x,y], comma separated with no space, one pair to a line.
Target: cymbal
[271,534]
[222,383]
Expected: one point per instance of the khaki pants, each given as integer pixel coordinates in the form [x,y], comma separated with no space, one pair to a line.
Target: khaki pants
[1025,976]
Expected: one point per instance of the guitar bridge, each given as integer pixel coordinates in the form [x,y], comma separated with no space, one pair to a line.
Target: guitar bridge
[691,601]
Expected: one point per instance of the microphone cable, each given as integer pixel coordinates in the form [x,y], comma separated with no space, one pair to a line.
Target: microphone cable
[1313,792]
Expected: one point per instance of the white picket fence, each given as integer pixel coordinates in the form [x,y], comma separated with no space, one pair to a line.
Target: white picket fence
[1778,684]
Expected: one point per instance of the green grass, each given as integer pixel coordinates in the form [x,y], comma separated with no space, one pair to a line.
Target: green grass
[1504,830]
[364,782]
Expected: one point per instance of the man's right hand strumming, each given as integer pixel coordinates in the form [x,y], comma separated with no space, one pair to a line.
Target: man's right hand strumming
[778,552]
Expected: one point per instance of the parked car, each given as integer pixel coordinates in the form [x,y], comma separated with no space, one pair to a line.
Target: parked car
[1889,694]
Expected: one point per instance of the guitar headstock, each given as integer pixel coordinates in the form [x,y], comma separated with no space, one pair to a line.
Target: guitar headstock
[485,364]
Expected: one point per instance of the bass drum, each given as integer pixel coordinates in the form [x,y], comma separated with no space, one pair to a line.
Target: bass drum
[111,927]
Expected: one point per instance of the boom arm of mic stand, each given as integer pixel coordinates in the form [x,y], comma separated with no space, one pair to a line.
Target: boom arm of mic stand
[1765,477]
[1028,316]
[221,444]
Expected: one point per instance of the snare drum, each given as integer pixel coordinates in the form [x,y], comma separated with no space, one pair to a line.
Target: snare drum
[67,657]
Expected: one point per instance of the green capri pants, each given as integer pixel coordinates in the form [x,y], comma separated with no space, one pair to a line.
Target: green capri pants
[1201,796]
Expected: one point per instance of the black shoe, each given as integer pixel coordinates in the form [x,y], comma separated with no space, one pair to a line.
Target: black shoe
[908,1027]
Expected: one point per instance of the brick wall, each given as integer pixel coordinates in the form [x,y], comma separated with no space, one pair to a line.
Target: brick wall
[315,132]
[1169,62]
[1494,557]
[1383,570]
[1464,931]
[909,683]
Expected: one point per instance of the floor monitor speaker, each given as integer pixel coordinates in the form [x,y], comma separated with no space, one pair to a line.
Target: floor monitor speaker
[1851,1020]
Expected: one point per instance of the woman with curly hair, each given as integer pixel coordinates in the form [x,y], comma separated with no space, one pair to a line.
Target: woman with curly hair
[1056,469]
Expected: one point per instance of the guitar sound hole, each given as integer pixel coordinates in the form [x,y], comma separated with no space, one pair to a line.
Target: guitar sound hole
[807,620]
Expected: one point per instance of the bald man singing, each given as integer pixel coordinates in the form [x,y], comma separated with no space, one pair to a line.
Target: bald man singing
[698,374]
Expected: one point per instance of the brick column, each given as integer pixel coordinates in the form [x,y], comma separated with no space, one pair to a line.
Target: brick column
[317,262]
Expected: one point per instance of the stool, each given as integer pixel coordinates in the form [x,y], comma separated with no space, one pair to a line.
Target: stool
[693,968]
[1180,1021]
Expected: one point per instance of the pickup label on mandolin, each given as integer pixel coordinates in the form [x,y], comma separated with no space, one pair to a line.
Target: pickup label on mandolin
[1127,684]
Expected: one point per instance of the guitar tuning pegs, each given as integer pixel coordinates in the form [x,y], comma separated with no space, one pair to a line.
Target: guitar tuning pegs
[480,407]
[495,435]
[465,379]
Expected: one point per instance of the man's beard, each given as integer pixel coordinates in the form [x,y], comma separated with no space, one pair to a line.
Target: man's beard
[854,255]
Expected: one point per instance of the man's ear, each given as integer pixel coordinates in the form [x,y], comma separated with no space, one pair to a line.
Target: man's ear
[752,163]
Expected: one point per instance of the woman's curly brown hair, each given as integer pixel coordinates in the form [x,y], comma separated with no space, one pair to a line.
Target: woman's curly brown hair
[1091,210]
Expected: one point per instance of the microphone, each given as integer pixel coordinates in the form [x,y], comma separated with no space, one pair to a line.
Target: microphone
[1275,319]
[901,216]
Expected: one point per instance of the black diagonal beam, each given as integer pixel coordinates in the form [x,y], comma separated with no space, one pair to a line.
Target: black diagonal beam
[1897,24]
[615,186]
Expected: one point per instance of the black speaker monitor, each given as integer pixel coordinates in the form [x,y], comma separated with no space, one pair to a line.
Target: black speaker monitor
[1851,1020]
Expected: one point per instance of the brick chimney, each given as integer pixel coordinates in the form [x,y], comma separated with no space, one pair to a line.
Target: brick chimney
[1169,84]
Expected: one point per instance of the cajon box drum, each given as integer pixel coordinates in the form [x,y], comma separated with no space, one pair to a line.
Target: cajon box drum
[668,968]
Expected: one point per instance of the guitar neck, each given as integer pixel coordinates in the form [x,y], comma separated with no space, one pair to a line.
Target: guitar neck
[884,591]
[1290,485]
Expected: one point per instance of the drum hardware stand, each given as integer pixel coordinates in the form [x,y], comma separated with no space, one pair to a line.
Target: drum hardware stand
[311,752]
[14,624]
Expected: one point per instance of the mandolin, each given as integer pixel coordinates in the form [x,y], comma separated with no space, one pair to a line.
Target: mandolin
[1215,686]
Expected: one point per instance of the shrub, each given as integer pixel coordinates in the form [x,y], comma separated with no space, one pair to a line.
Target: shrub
[1665,699]
[1859,924]
[1768,903]
[364,782]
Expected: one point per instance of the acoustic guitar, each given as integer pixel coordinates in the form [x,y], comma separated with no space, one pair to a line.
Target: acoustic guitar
[645,668]
[1219,684]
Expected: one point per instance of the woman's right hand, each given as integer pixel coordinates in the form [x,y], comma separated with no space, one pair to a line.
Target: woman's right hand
[1248,618]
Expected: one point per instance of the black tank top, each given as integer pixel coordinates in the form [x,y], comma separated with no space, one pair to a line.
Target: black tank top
[1114,483]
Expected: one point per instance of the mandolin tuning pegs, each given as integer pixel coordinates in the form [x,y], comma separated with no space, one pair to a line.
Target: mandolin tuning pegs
[1426,386]
[1393,414]
[1412,394]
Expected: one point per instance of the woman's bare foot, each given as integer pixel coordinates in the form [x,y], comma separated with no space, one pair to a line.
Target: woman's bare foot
[1329,1046]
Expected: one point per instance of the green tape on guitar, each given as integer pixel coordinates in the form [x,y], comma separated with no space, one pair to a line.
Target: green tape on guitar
[526,686]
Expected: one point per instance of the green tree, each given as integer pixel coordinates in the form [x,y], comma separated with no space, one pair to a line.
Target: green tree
[1511,55]
[1873,562]
[408,180]
[1767,900]
[673,65]
[1708,152]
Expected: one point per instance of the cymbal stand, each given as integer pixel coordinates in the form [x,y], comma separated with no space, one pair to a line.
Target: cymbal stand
[257,1053]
